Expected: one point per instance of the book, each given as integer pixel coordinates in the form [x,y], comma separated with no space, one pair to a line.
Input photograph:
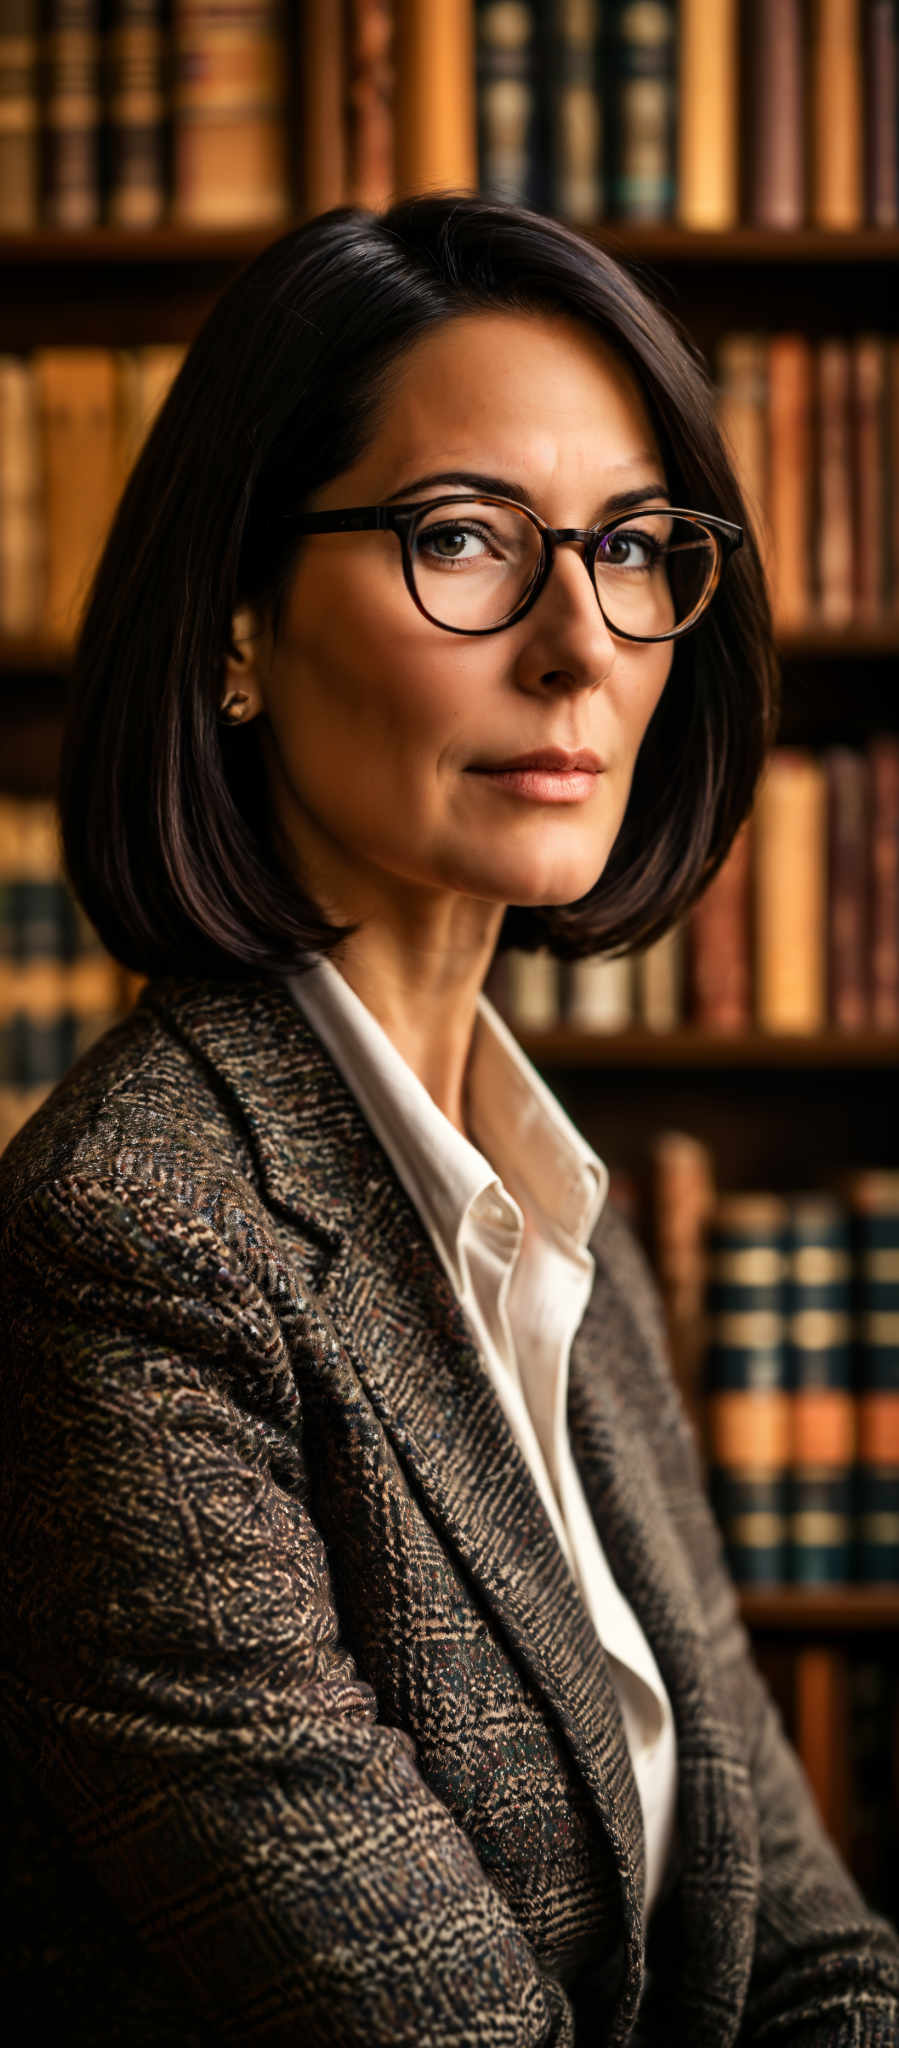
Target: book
[642,108]
[790,830]
[437,70]
[19,116]
[71,111]
[508,102]
[874,1200]
[892,470]
[883,801]
[228,98]
[576,117]
[708,126]
[748,1404]
[777,100]
[719,944]
[322,173]
[531,989]
[881,97]
[370,103]
[682,1199]
[837,114]
[743,398]
[21,501]
[77,401]
[869,436]
[659,982]
[600,993]
[834,522]
[790,384]
[819,1372]
[136,176]
[846,773]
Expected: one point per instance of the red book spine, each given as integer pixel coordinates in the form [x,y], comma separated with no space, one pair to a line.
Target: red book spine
[883,761]
[847,837]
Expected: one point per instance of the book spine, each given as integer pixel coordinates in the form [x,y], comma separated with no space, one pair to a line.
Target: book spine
[819,1366]
[576,113]
[533,989]
[601,993]
[881,95]
[71,113]
[708,114]
[847,895]
[748,1406]
[507,101]
[136,93]
[323,171]
[790,821]
[743,398]
[659,982]
[789,470]
[883,797]
[21,501]
[78,412]
[646,110]
[229,144]
[892,470]
[19,123]
[370,103]
[777,191]
[682,1199]
[837,126]
[43,933]
[719,941]
[436,105]
[875,1204]
[869,433]
[834,523]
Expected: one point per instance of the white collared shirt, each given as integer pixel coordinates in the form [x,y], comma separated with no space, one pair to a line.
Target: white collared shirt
[511,1226]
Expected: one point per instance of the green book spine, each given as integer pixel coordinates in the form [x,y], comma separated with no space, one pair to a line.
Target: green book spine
[819,1378]
[642,130]
[747,1400]
[875,1202]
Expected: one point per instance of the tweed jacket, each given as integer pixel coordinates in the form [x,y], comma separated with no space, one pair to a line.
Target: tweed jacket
[309,1738]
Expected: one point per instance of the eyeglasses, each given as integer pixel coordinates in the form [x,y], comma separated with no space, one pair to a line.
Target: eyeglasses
[654,571]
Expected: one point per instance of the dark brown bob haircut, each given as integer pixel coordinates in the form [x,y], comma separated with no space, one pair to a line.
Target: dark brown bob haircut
[165,822]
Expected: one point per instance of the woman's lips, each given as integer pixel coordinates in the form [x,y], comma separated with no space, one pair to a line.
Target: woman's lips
[548,777]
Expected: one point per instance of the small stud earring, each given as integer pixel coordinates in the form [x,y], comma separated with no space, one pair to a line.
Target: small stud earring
[232,710]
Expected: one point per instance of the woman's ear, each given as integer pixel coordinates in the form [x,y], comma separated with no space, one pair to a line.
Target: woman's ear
[241,694]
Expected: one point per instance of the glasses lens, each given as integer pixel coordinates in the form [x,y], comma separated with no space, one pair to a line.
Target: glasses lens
[474,563]
[655,573]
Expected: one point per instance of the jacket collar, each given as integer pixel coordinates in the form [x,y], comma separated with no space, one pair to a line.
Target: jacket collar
[392,1308]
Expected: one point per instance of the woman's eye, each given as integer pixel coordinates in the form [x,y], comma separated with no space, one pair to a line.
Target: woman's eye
[448,540]
[630,551]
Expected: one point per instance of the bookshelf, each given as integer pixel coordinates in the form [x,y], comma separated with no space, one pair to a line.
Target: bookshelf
[778,1110]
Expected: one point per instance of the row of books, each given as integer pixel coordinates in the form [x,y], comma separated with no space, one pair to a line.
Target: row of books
[71,424]
[814,429]
[799,930]
[802,1382]
[217,112]
[59,988]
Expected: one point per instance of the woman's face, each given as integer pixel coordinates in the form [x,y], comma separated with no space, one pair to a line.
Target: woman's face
[383,735]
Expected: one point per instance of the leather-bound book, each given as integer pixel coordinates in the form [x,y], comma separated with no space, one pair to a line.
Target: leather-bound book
[21,501]
[790,831]
[229,144]
[643,111]
[512,161]
[874,1197]
[19,116]
[577,114]
[719,944]
[370,103]
[135,65]
[881,31]
[659,981]
[834,526]
[748,1405]
[838,199]
[819,1365]
[682,1198]
[437,68]
[77,394]
[777,119]
[847,888]
[870,440]
[708,123]
[322,146]
[601,993]
[743,399]
[883,811]
[790,505]
[71,113]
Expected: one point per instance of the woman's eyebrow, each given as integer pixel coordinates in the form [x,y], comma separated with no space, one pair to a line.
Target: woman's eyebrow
[509,487]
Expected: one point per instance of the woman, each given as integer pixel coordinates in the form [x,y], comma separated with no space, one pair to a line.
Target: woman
[373,1675]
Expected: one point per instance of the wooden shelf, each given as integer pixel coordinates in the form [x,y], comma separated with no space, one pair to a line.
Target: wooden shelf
[638,1048]
[663,241]
[810,1610]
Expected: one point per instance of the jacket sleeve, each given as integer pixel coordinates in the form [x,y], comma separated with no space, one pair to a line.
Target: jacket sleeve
[176,1680]
[825,1970]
